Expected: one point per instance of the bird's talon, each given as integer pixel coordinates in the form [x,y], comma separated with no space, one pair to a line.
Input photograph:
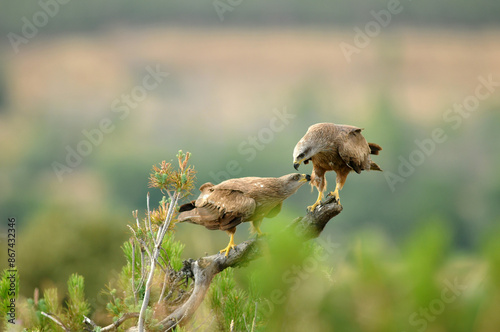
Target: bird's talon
[227,249]
[335,195]
[312,207]
[230,246]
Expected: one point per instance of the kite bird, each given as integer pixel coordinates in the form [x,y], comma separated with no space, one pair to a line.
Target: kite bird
[331,147]
[228,204]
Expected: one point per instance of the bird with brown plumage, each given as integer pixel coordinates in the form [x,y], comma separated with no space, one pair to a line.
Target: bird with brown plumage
[228,204]
[332,147]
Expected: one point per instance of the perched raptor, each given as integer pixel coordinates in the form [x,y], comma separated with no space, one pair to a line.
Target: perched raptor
[228,204]
[331,147]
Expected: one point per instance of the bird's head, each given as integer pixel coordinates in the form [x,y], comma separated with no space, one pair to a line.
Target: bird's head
[302,154]
[292,182]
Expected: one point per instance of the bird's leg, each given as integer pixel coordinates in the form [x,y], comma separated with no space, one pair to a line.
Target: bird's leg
[256,228]
[319,182]
[335,194]
[318,201]
[229,246]
[340,180]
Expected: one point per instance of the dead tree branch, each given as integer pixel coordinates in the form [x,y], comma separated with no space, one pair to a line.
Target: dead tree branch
[114,326]
[56,320]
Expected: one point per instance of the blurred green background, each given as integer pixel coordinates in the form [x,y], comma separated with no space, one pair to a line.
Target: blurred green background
[245,80]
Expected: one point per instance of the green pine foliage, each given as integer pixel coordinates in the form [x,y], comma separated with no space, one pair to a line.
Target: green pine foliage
[125,298]
[77,306]
[233,305]
[71,314]
[172,252]
[9,290]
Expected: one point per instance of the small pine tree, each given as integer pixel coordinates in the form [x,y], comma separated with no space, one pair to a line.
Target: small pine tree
[150,285]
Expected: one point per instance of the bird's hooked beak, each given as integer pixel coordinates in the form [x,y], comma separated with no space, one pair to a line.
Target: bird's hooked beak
[297,162]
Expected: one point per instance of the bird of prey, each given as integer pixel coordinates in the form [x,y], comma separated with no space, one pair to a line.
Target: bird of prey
[228,204]
[331,147]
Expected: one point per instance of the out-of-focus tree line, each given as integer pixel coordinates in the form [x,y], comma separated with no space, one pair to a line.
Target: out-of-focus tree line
[90,15]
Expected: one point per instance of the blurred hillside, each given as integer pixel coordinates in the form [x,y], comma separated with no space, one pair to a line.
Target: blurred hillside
[238,97]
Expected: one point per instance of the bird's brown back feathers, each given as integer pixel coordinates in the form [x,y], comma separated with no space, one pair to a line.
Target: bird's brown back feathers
[234,201]
[374,148]
[340,148]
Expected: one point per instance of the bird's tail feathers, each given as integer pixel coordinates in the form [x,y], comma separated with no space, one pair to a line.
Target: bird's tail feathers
[374,148]
[375,167]
[191,216]
[187,207]
[188,213]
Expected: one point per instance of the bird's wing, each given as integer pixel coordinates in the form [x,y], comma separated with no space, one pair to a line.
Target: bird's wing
[354,149]
[223,208]
[275,210]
